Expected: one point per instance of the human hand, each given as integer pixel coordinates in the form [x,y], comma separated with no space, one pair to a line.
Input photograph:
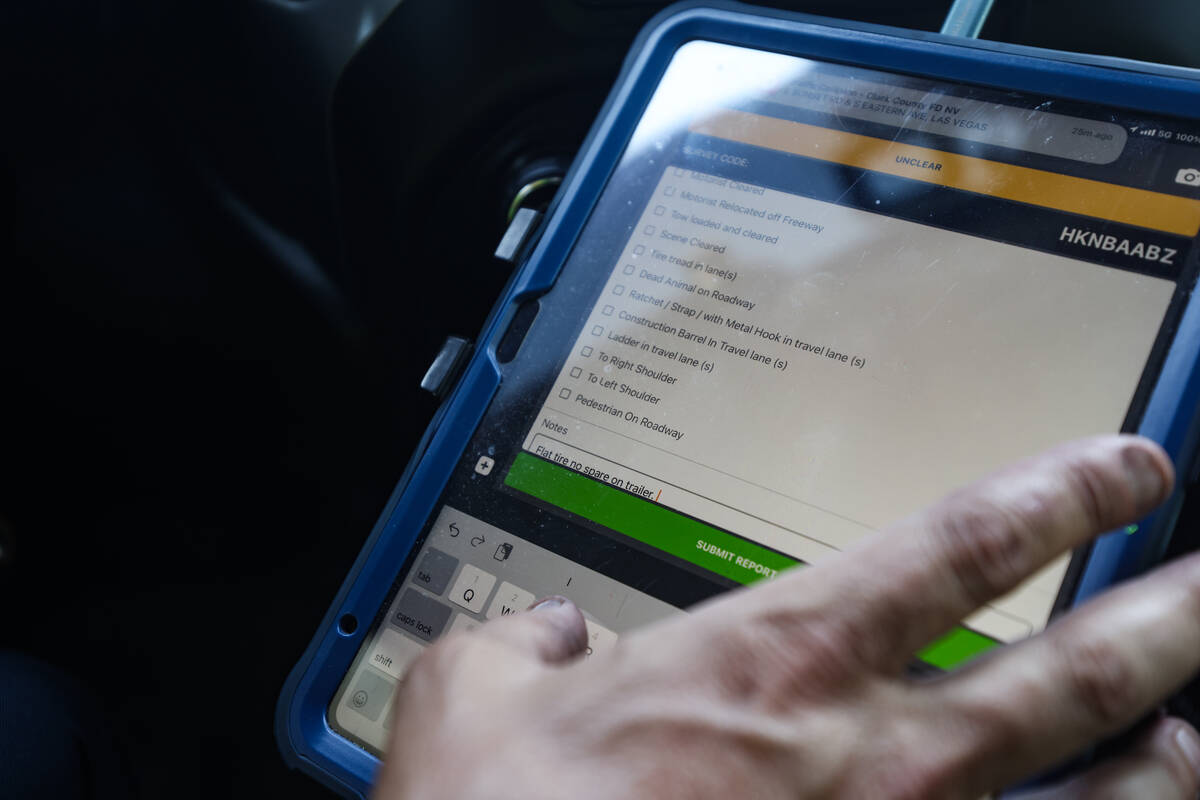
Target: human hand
[796,688]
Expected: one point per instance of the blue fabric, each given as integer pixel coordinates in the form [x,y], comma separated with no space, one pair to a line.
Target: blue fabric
[55,741]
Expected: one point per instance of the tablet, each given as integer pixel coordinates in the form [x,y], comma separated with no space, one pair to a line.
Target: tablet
[802,281]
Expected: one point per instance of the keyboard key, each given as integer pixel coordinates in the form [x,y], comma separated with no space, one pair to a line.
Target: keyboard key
[434,571]
[600,638]
[421,615]
[509,600]
[370,694]
[393,653]
[472,588]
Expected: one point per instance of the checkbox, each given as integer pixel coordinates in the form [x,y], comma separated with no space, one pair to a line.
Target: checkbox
[669,191]
[576,372]
[565,394]
[637,251]
[628,269]
[607,311]
[586,352]
[596,331]
[618,289]
[679,173]
[649,230]
[660,210]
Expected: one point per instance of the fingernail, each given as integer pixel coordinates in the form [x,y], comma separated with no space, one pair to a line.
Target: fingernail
[548,603]
[1189,744]
[1145,476]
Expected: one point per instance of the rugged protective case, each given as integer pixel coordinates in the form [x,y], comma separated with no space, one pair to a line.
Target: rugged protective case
[304,735]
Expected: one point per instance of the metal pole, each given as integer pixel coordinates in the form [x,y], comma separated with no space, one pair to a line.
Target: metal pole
[966,17]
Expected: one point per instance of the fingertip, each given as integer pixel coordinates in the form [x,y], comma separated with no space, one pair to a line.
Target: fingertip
[568,624]
[1175,745]
[1148,469]
[550,630]
[1163,763]
[1186,742]
[549,603]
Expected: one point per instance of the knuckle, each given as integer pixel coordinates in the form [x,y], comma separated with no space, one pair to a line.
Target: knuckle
[989,549]
[915,783]
[1100,677]
[1099,497]
[999,723]
[909,778]
[901,783]
[881,636]
[782,656]
[821,642]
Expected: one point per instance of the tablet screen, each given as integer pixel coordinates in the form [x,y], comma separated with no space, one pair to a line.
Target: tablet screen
[812,299]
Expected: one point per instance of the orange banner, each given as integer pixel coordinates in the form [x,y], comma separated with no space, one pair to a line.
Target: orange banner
[1125,204]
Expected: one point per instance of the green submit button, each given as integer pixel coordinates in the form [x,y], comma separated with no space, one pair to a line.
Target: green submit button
[689,539]
[649,523]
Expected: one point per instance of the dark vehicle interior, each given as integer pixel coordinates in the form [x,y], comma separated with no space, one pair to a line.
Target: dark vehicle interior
[234,236]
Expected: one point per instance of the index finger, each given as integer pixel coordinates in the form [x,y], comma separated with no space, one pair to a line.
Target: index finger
[983,541]
[895,592]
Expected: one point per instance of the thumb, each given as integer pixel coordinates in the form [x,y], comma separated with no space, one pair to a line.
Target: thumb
[552,630]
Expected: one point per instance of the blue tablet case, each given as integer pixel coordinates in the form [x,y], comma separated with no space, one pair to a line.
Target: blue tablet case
[305,737]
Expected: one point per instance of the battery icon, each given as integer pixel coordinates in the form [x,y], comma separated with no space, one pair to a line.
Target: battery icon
[503,551]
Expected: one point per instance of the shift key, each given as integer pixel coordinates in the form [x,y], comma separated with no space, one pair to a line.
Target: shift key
[421,615]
